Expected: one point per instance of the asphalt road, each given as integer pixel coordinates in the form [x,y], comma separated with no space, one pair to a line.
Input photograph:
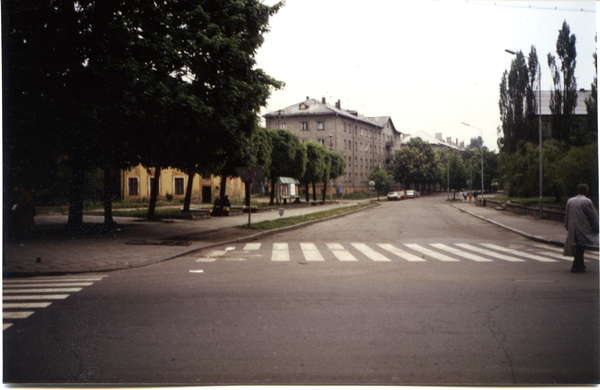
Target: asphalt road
[411,292]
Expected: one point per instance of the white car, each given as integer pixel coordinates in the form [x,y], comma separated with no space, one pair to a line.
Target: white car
[393,196]
[410,194]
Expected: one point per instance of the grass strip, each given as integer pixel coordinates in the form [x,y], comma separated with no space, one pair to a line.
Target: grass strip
[290,221]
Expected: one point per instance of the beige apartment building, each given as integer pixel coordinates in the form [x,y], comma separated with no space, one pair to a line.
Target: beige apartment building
[363,141]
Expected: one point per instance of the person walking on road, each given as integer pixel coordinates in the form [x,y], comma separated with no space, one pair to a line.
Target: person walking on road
[581,222]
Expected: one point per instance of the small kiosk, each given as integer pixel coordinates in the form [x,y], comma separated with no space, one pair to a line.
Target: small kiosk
[287,188]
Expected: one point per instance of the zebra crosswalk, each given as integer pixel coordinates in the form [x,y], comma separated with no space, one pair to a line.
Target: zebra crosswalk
[388,252]
[21,296]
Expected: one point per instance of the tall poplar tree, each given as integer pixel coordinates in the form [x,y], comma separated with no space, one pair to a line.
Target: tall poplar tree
[563,99]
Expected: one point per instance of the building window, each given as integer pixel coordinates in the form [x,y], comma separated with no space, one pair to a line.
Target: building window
[321,142]
[320,126]
[179,185]
[132,186]
[345,144]
[206,176]
[304,126]
[283,126]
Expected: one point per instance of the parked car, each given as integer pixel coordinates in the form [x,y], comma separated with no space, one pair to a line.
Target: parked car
[393,196]
[417,194]
[410,194]
[403,195]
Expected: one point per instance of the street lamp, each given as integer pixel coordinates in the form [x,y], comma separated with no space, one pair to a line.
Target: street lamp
[480,149]
[540,127]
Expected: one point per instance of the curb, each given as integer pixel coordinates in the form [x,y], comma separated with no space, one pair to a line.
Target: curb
[526,235]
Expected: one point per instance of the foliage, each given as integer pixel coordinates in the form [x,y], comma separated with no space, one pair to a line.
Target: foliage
[415,162]
[382,179]
[113,84]
[288,158]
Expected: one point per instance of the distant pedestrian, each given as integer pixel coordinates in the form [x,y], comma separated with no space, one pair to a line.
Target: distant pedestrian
[217,207]
[581,222]
[470,197]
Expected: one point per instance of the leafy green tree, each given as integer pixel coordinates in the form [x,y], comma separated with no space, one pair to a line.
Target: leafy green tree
[414,163]
[288,158]
[563,99]
[591,104]
[337,168]
[315,166]
[579,165]
[186,66]
[458,173]
[382,179]
[513,89]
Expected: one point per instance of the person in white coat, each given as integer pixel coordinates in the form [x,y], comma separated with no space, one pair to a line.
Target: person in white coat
[581,222]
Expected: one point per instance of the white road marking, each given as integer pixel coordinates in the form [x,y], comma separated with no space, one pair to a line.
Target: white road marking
[430,253]
[32,297]
[517,253]
[311,253]
[40,290]
[51,279]
[458,252]
[197,271]
[12,315]
[25,305]
[206,260]
[280,252]
[370,253]
[6,326]
[253,246]
[400,253]
[18,285]
[490,253]
[341,253]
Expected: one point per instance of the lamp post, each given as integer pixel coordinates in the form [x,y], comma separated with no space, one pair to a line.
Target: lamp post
[481,150]
[331,185]
[540,127]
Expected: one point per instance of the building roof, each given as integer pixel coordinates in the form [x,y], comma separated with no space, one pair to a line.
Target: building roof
[579,110]
[313,107]
[429,139]
[382,121]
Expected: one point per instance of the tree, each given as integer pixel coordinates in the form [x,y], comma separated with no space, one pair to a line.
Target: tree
[580,165]
[315,166]
[563,99]
[337,168]
[591,104]
[458,173]
[382,179]
[288,158]
[414,163]
[182,65]
[513,89]
[476,143]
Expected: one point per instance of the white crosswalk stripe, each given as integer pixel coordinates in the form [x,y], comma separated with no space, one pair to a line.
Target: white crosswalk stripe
[281,252]
[18,295]
[340,252]
[356,251]
[460,253]
[400,253]
[517,253]
[490,253]
[311,253]
[431,253]
[370,253]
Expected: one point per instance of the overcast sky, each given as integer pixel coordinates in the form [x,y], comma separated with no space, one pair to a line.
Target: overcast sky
[428,64]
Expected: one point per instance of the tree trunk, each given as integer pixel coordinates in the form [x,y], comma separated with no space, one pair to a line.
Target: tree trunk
[223,185]
[107,196]
[154,194]
[273,184]
[76,195]
[314,191]
[188,191]
[324,191]
[307,194]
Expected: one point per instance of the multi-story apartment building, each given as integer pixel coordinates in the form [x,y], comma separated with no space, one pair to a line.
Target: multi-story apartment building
[363,141]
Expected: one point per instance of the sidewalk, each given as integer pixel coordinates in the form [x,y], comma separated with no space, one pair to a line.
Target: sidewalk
[53,251]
